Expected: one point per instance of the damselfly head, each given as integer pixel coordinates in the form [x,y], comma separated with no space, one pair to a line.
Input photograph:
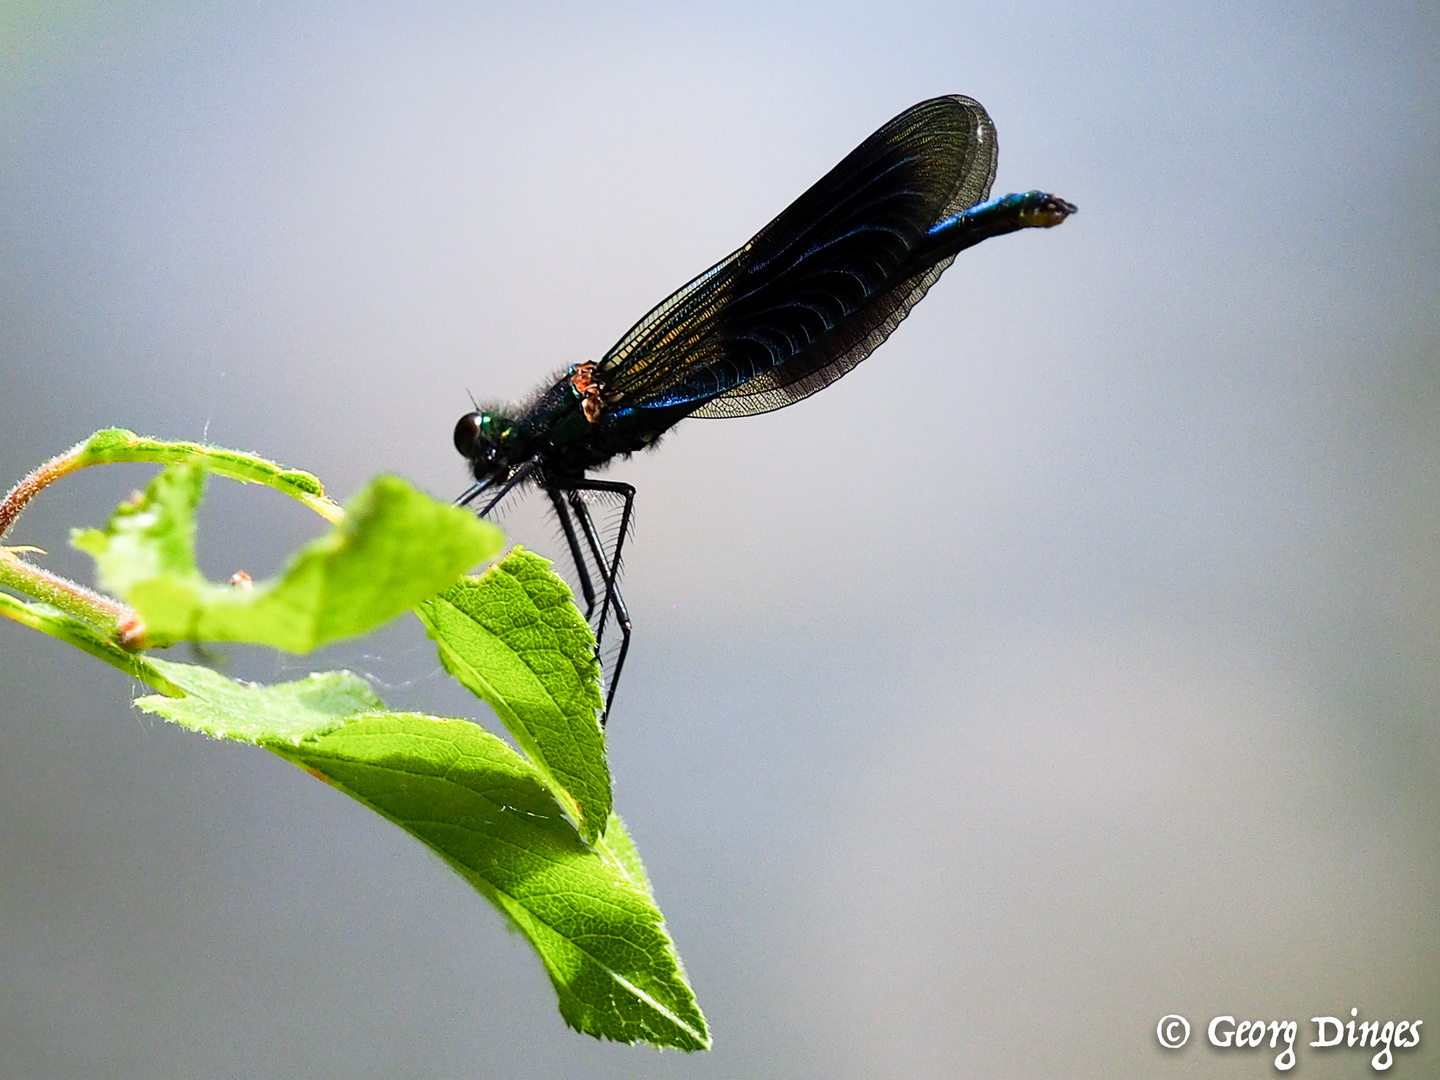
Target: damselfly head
[481,436]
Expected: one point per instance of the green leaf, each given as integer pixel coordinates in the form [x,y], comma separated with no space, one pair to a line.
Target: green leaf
[394,548]
[618,846]
[285,714]
[150,536]
[489,814]
[514,637]
[119,444]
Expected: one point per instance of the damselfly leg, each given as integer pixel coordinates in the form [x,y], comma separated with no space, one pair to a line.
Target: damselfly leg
[582,570]
[609,568]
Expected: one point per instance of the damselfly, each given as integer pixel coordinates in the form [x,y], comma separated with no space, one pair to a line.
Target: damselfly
[814,293]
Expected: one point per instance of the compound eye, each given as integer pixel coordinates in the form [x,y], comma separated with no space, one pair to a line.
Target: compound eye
[470,434]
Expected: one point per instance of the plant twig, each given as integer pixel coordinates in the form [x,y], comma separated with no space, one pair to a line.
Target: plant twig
[21,494]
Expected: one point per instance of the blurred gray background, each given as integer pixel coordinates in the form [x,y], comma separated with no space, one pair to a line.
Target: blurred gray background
[1070,663]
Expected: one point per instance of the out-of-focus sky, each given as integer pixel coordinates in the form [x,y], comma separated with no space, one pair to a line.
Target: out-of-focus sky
[1070,663]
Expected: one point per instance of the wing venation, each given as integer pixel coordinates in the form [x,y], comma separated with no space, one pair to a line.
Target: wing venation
[821,286]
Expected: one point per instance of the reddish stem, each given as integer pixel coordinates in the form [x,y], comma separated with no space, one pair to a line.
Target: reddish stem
[20,495]
[63,593]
